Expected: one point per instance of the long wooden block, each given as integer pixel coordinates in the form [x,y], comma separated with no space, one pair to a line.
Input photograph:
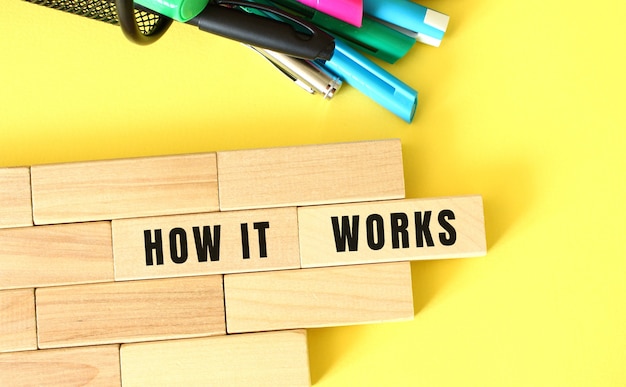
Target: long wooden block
[395,230]
[104,190]
[210,243]
[313,174]
[93,366]
[60,254]
[17,320]
[123,312]
[271,359]
[15,201]
[320,297]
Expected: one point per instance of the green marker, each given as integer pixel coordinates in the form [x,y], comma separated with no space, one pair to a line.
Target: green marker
[180,10]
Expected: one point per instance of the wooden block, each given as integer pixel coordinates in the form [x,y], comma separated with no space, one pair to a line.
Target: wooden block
[56,255]
[15,202]
[270,359]
[134,311]
[17,320]
[395,230]
[103,190]
[209,243]
[314,174]
[320,297]
[93,366]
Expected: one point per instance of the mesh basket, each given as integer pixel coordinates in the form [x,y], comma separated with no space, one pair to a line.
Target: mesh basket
[139,25]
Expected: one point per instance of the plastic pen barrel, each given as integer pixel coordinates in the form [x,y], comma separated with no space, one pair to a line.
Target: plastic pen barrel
[350,11]
[374,38]
[428,26]
[373,81]
[264,32]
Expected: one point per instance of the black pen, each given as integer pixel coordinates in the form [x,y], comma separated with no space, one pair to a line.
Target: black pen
[225,19]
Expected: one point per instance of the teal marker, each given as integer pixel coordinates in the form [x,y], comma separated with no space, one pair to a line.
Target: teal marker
[373,37]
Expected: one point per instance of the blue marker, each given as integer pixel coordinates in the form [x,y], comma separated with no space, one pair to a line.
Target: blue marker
[372,80]
[424,24]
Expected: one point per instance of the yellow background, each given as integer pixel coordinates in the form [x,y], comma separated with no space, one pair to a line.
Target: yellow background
[523,103]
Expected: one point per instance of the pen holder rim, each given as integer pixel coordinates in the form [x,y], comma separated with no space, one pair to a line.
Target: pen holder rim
[130,27]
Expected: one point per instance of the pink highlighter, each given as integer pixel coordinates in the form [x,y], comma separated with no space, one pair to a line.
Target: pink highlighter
[350,11]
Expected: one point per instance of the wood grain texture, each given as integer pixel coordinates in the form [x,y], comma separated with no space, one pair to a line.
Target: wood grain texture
[271,359]
[132,311]
[87,366]
[320,297]
[313,174]
[52,255]
[17,320]
[15,200]
[210,243]
[395,230]
[112,189]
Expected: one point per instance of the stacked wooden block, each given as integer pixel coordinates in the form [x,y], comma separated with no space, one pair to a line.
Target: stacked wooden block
[206,269]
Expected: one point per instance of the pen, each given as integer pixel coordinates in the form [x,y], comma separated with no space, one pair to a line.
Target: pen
[226,19]
[372,80]
[423,24]
[309,75]
[372,37]
[350,11]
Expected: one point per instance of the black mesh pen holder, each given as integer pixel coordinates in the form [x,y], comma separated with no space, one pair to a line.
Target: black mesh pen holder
[139,25]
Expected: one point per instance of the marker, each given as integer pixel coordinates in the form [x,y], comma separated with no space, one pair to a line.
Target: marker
[309,75]
[423,24]
[179,10]
[372,80]
[373,37]
[350,11]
